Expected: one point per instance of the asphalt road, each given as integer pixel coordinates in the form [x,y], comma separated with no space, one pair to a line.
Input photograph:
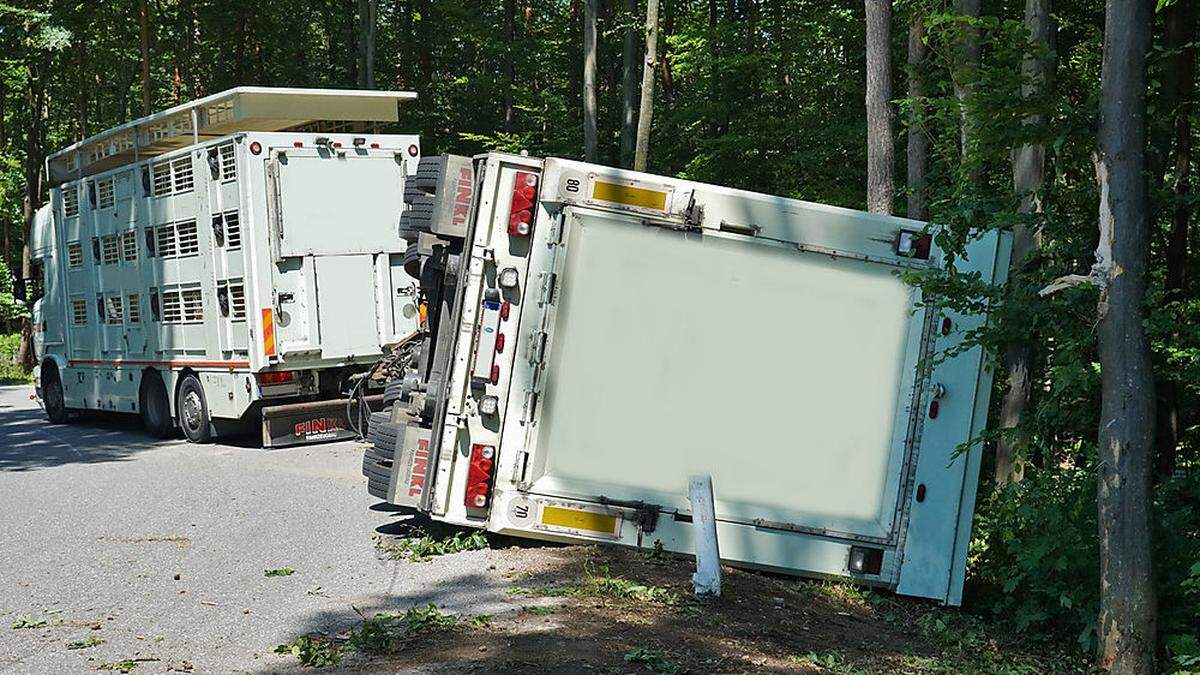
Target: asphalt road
[158,548]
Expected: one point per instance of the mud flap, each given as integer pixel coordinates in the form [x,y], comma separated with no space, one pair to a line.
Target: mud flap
[312,422]
[410,471]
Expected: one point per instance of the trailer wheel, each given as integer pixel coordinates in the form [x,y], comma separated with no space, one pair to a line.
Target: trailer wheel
[193,411]
[52,395]
[156,412]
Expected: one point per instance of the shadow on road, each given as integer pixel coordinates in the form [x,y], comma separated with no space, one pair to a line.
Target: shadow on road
[30,442]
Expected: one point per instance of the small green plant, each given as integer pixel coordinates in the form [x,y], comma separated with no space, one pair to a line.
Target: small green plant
[122,666]
[540,611]
[480,620]
[422,546]
[28,621]
[314,651]
[91,641]
[386,632]
[656,553]
[655,660]
[604,584]
[281,572]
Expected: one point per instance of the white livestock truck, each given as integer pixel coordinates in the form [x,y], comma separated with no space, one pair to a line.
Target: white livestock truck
[228,261]
[597,336]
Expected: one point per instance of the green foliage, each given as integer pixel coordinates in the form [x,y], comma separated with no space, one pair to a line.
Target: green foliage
[28,621]
[655,661]
[381,633]
[422,546]
[90,641]
[281,572]
[314,651]
[122,666]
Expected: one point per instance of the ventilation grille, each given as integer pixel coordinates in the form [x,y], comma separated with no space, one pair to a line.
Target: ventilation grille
[228,162]
[79,312]
[129,246]
[173,177]
[70,200]
[111,249]
[133,308]
[176,240]
[183,305]
[105,195]
[233,230]
[74,255]
[113,310]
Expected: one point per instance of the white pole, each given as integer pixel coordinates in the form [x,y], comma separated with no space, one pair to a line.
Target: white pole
[707,579]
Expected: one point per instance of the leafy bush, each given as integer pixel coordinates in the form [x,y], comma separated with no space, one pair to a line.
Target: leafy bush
[1036,561]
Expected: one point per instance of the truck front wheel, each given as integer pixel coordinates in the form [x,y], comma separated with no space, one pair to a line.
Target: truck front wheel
[193,411]
[52,396]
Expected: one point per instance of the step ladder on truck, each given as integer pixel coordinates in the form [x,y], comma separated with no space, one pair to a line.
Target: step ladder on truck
[595,336]
[231,262]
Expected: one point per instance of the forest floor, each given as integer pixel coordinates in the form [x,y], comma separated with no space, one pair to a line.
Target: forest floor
[615,610]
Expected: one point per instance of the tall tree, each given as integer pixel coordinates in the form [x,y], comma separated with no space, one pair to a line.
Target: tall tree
[917,148]
[1028,168]
[144,48]
[510,22]
[965,72]
[1128,605]
[641,152]
[628,83]
[1179,87]
[881,149]
[368,18]
[589,80]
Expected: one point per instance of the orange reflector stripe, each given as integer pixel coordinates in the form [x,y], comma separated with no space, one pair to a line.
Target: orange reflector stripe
[268,319]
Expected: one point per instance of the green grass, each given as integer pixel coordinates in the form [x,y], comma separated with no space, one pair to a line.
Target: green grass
[281,572]
[85,643]
[381,633]
[421,546]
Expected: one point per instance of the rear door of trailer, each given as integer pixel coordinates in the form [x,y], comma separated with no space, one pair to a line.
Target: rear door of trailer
[669,329]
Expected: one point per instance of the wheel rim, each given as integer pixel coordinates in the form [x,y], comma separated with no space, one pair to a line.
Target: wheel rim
[192,409]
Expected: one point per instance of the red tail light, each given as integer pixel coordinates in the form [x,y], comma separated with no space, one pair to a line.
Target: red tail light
[524,199]
[278,377]
[933,409]
[479,476]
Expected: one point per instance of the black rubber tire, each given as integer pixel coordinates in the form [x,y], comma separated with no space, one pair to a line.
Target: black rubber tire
[377,489]
[53,396]
[384,436]
[391,393]
[155,407]
[412,258]
[412,190]
[192,409]
[429,174]
[420,214]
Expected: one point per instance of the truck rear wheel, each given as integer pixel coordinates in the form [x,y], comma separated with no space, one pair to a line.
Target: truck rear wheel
[52,396]
[156,411]
[192,408]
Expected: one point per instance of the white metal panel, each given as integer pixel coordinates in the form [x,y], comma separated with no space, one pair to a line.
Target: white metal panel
[339,202]
[782,374]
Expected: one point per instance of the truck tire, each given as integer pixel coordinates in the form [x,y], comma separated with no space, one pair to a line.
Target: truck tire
[53,396]
[384,436]
[420,214]
[429,174]
[154,406]
[192,408]
[412,190]
[391,393]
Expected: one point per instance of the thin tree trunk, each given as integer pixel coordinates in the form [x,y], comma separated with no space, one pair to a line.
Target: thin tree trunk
[34,142]
[144,44]
[964,83]
[510,21]
[589,80]
[424,55]
[628,84]
[664,60]
[1029,167]
[368,16]
[646,109]
[1128,606]
[881,150]
[1180,39]
[918,135]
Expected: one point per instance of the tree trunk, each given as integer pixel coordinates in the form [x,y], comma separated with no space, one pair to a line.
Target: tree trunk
[368,15]
[646,109]
[144,44]
[628,84]
[510,21]
[424,53]
[34,142]
[881,151]
[1128,612]
[589,80]
[1180,36]
[964,83]
[1029,168]
[918,135]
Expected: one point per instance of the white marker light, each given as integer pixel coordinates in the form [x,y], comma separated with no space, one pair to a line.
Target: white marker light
[508,277]
[488,405]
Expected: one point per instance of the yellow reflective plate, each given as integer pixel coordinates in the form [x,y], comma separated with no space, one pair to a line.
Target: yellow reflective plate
[578,519]
[629,195]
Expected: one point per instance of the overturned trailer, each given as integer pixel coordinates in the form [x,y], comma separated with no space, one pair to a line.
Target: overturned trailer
[596,336]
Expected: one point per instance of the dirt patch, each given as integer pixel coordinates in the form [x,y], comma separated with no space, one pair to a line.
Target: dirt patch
[181,541]
[620,610]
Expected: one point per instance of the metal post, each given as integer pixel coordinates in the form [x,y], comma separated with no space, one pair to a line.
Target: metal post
[707,579]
